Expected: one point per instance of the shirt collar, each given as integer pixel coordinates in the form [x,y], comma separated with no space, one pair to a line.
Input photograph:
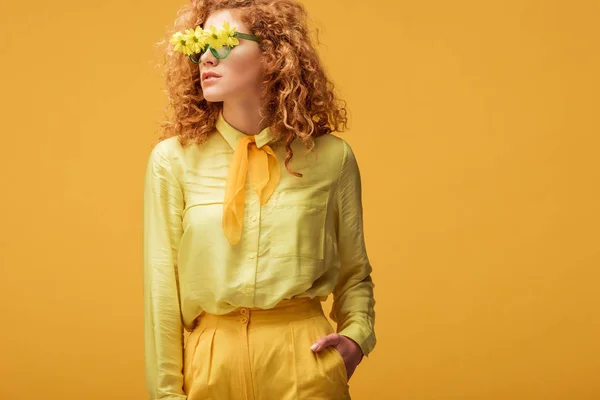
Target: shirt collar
[232,135]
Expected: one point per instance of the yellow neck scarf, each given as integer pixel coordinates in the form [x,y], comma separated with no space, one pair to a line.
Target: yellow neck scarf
[264,174]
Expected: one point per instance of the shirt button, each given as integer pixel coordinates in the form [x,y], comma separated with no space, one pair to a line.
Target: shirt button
[248,290]
[244,320]
[244,310]
[252,256]
[254,218]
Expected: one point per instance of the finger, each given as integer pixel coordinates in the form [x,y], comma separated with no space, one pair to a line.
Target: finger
[330,340]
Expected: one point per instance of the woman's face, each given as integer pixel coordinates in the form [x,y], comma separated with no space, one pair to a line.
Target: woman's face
[241,71]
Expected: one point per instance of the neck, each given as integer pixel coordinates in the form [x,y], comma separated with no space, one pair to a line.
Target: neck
[244,117]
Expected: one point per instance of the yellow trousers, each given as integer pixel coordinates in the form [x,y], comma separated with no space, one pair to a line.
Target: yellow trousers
[257,354]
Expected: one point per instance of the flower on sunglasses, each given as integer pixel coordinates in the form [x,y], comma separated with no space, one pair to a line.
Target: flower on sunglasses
[179,42]
[216,39]
[195,39]
[229,33]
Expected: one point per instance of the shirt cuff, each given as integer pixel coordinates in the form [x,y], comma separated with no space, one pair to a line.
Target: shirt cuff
[365,339]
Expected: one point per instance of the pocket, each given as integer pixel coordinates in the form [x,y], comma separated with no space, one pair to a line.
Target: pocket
[198,362]
[189,352]
[341,363]
[299,215]
[200,211]
[325,328]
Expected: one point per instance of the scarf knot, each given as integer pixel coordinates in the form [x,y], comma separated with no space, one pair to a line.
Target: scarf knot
[261,165]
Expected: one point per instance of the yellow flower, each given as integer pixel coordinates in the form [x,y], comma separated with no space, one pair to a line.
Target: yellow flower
[195,39]
[179,42]
[192,41]
[228,34]
[216,39]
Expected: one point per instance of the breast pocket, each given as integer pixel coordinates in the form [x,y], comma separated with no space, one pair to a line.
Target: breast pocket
[299,217]
[202,215]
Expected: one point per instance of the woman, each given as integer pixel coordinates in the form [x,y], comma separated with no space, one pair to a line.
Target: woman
[238,250]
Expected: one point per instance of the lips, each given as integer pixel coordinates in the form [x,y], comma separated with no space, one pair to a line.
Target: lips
[210,74]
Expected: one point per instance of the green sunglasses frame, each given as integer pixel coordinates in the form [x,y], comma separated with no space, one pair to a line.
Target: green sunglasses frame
[236,34]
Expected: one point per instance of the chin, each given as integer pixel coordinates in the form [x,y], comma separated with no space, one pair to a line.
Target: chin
[212,97]
[214,93]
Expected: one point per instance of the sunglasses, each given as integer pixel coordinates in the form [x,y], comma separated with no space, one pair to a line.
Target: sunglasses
[224,51]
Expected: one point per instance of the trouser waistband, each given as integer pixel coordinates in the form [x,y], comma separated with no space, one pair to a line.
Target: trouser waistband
[285,310]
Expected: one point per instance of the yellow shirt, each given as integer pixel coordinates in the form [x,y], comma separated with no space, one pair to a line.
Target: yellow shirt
[307,240]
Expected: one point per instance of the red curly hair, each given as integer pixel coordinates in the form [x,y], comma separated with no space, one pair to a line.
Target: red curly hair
[298,99]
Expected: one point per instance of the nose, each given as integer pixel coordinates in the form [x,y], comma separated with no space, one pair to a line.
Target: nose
[208,57]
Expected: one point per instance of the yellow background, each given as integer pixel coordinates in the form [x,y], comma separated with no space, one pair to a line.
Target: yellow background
[476,128]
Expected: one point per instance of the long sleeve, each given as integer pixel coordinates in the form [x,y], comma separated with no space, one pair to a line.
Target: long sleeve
[163,327]
[353,300]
